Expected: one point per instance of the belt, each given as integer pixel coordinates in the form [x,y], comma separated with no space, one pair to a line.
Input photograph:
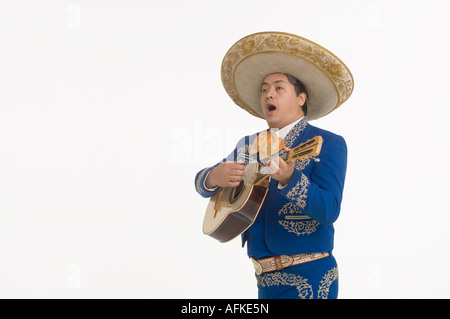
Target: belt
[281,262]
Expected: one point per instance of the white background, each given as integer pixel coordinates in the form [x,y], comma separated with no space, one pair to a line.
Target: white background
[108,109]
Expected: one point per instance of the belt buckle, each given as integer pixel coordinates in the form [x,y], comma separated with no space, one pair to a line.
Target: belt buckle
[257,265]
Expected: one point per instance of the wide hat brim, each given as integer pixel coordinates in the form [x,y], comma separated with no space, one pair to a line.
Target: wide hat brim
[245,65]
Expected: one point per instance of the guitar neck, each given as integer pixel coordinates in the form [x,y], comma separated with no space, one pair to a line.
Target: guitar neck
[308,149]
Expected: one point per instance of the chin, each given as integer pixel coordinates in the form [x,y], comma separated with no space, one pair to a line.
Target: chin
[273,123]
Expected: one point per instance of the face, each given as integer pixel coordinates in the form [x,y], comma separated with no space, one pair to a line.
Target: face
[280,104]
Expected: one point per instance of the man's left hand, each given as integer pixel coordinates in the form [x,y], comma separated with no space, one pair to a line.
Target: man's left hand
[284,171]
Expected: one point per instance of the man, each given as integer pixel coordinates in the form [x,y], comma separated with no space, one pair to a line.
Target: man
[283,78]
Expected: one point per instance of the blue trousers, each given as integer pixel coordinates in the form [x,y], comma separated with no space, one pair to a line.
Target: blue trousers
[313,280]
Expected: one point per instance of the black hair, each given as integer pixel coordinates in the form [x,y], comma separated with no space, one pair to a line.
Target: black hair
[299,88]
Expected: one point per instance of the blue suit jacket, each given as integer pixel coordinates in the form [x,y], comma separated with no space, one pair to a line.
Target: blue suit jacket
[298,218]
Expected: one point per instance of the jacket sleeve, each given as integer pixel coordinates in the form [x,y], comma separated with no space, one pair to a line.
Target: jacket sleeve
[319,195]
[200,182]
[240,153]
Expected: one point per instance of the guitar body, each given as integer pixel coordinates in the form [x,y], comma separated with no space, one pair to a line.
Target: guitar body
[232,210]
[238,208]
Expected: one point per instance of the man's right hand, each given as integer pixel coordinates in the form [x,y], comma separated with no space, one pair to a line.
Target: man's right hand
[225,175]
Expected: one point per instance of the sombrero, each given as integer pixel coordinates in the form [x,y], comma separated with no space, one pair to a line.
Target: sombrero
[327,79]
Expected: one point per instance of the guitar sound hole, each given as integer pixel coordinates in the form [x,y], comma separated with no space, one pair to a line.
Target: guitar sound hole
[236,192]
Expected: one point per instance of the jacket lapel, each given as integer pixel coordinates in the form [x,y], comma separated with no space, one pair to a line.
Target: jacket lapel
[295,135]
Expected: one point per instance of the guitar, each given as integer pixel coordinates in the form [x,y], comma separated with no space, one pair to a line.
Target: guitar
[232,210]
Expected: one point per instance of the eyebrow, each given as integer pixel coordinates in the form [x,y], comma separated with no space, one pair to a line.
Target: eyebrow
[278,81]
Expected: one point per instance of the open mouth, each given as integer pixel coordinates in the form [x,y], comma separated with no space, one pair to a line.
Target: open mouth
[271,108]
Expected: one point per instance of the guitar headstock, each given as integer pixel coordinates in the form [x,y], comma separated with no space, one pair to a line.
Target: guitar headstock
[308,149]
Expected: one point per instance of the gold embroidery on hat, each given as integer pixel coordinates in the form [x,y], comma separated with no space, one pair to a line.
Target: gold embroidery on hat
[288,44]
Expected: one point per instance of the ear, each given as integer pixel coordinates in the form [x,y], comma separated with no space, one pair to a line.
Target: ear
[301,99]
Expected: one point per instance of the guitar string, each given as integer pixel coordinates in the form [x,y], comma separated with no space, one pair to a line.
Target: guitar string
[247,157]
